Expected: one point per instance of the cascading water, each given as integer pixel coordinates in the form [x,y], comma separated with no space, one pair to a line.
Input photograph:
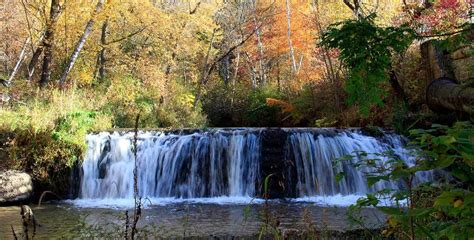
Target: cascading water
[208,164]
[314,153]
[231,163]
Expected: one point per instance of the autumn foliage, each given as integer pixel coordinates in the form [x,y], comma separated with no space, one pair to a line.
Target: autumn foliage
[180,62]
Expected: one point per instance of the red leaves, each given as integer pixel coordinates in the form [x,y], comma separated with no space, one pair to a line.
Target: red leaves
[450,4]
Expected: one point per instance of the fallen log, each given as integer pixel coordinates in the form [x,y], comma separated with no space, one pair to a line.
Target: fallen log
[444,94]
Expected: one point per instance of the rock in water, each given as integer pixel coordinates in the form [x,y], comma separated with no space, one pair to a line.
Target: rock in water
[14,186]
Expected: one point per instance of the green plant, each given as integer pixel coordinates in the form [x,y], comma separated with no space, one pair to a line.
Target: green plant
[442,209]
[259,113]
[270,224]
[45,136]
[366,50]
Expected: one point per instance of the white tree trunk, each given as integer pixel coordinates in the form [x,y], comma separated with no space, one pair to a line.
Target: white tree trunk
[19,62]
[294,66]
[261,49]
[80,43]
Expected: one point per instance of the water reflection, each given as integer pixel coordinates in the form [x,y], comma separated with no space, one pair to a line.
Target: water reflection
[178,220]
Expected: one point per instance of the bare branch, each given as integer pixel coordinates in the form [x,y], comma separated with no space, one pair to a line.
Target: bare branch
[127,36]
[195,9]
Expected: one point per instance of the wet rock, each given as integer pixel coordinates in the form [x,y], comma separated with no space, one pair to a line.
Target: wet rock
[274,163]
[372,131]
[15,186]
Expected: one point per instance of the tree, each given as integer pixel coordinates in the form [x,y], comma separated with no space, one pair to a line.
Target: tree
[80,43]
[366,50]
[290,42]
[48,43]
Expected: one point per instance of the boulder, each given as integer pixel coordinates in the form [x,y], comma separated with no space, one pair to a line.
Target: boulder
[15,186]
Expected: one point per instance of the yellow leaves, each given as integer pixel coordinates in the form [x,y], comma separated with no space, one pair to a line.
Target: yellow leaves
[124,90]
[85,76]
[458,203]
[392,221]
[393,224]
[186,99]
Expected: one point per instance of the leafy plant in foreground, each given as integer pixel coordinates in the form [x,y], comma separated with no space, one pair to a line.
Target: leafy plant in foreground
[433,210]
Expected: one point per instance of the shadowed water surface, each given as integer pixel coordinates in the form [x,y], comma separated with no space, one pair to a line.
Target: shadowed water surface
[179,220]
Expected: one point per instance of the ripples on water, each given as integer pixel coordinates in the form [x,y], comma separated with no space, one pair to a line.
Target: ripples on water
[176,220]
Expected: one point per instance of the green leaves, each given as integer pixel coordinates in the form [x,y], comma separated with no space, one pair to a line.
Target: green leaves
[440,210]
[366,49]
[339,176]
[444,146]
[369,200]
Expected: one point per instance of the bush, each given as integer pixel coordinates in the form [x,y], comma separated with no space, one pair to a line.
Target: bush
[433,210]
[259,113]
[226,107]
[128,96]
[45,135]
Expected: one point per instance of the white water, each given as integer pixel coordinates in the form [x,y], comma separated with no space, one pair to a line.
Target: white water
[223,167]
[181,166]
[314,155]
[124,203]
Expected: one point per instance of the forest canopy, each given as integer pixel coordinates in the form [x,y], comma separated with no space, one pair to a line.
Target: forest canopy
[213,63]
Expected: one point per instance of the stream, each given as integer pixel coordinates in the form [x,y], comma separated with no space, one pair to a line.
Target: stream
[187,219]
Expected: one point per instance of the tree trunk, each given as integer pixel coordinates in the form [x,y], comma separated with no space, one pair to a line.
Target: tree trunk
[399,92]
[48,42]
[19,62]
[204,71]
[80,43]
[444,94]
[355,7]
[36,56]
[261,50]
[102,60]
[294,67]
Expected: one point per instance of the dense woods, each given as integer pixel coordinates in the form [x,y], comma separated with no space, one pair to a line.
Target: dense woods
[243,63]
[73,67]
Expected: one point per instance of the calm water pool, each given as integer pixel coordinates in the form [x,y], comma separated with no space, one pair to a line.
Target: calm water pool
[66,221]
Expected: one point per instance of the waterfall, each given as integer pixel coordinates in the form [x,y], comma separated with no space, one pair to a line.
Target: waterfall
[234,162]
[207,164]
[314,153]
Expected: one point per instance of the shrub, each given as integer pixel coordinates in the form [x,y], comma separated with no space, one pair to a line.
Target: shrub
[433,210]
[128,96]
[45,135]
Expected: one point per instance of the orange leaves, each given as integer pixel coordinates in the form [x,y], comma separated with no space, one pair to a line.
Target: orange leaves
[301,29]
[285,106]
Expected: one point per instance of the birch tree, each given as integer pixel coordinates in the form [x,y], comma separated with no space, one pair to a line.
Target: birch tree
[294,67]
[19,62]
[81,42]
